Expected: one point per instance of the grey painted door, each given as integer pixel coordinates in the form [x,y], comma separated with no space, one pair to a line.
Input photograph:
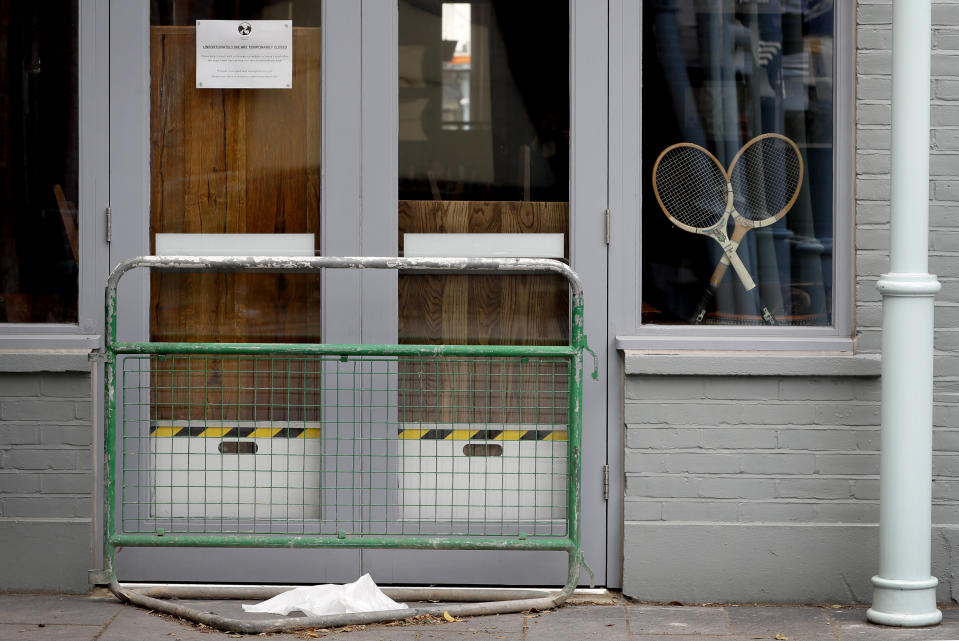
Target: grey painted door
[357,143]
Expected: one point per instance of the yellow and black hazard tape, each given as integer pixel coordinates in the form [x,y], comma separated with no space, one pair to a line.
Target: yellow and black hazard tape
[200,431]
[482,435]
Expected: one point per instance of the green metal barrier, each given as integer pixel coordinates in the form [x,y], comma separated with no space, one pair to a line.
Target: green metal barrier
[459,447]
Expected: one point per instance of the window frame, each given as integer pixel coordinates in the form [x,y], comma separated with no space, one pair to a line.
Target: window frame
[93,198]
[626,189]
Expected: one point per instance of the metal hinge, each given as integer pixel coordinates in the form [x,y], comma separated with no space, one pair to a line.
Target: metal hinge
[607,225]
[606,482]
[109,215]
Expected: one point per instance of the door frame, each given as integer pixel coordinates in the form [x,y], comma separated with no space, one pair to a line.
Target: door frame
[359,183]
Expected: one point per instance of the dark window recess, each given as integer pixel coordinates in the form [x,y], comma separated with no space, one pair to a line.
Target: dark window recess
[483,101]
[718,75]
[39,245]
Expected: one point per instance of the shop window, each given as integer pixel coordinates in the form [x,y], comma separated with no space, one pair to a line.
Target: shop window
[738,106]
[39,239]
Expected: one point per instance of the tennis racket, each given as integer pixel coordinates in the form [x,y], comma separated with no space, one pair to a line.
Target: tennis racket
[693,191]
[765,177]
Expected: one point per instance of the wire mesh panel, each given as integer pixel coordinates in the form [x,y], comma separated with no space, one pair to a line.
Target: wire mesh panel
[344,445]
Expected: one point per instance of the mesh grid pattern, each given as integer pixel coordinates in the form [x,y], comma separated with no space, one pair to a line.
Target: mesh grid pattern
[691,186]
[349,444]
[765,178]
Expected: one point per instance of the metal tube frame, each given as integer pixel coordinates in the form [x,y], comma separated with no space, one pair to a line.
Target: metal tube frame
[280,264]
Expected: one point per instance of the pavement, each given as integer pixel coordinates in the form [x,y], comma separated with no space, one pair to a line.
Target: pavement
[100,617]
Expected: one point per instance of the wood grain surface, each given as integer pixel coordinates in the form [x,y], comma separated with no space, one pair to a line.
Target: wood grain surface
[232,161]
[482,310]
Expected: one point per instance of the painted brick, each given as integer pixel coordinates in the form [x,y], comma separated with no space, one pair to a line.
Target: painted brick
[66,434]
[945,114]
[67,483]
[822,439]
[12,385]
[946,138]
[875,138]
[18,434]
[660,486]
[945,490]
[694,463]
[946,189]
[634,510]
[847,512]
[945,415]
[944,214]
[945,513]
[779,413]
[35,459]
[872,213]
[944,63]
[866,489]
[866,291]
[945,13]
[16,482]
[852,464]
[815,389]
[875,113]
[867,389]
[718,487]
[946,39]
[946,89]
[872,239]
[873,14]
[663,438]
[776,512]
[945,440]
[700,511]
[847,414]
[739,438]
[83,411]
[812,488]
[873,162]
[40,505]
[740,388]
[37,410]
[945,466]
[663,388]
[874,39]
[65,385]
[873,63]
[872,188]
[779,464]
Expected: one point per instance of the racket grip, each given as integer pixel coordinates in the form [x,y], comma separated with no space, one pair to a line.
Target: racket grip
[741,270]
[768,317]
[704,304]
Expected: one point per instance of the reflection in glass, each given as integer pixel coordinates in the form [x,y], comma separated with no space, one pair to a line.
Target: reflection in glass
[39,240]
[718,75]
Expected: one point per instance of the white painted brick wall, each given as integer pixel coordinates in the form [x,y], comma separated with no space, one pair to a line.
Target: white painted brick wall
[801,449]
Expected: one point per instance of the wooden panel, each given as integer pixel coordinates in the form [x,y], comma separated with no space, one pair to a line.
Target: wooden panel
[483,310]
[233,161]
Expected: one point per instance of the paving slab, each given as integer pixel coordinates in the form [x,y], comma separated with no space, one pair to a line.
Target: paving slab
[684,620]
[579,622]
[851,625]
[33,632]
[52,608]
[796,623]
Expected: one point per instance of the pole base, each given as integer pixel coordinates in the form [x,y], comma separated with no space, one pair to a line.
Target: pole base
[904,603]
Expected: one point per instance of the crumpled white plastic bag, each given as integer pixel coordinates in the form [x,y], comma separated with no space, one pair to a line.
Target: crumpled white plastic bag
[361,595]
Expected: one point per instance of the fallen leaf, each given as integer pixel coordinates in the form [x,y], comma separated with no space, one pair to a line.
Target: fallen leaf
[782,637]
[449,617]
[313,635]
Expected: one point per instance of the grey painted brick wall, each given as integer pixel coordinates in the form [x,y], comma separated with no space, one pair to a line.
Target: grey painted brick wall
[751,488]
[46,480]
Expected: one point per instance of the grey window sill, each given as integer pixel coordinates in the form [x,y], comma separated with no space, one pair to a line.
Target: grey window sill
[738,363]
[45,360]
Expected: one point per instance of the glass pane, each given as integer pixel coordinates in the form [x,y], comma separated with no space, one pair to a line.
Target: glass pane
[484,115]
[39,246]
[234,161]
[746,90]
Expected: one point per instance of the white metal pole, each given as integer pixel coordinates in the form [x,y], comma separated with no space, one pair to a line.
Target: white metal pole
[904,592]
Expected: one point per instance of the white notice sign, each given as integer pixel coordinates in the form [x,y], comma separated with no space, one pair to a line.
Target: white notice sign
[244,54]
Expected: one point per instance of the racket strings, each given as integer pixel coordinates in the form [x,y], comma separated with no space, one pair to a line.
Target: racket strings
[691,187]
[766,179]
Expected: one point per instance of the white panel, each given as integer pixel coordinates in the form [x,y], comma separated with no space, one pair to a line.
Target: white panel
[485,245]
[234,245]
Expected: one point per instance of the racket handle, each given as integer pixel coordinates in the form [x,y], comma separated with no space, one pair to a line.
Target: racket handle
[704,304]
[768,317]
[741,270]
